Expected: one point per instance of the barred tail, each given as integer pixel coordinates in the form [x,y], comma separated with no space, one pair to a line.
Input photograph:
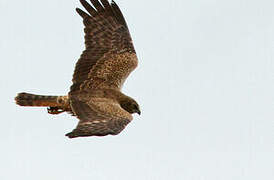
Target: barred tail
[26,99]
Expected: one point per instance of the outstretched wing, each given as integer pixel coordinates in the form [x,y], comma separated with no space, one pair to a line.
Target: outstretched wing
[98,117]
[109,56]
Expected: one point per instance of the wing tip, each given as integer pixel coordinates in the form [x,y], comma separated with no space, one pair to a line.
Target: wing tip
[82,13]
[113,2]
[78,10]
[71,135]
[102,6]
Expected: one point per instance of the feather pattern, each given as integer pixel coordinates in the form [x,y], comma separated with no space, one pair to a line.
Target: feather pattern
[106,34]
[98,117]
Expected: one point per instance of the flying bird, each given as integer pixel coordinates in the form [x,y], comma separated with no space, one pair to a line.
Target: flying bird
[95,96]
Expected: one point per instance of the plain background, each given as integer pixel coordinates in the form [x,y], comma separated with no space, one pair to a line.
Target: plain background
[204,83]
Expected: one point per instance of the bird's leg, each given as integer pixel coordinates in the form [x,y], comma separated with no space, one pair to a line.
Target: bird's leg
[55,110]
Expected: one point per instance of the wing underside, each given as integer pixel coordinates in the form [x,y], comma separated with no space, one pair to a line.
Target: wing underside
[108,43]
[98,117]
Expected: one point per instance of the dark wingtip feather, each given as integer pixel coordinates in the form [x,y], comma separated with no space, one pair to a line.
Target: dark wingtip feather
[88,7]
[97,5]
[71,135]
[81,13]
[105,3]
[112,2]
[118,13]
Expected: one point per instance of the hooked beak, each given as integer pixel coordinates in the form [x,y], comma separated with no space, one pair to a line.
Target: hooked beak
[139,112]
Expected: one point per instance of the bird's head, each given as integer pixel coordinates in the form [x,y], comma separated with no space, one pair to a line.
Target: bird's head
[131,106]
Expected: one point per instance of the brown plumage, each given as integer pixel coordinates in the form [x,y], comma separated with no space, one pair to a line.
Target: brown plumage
[95,96]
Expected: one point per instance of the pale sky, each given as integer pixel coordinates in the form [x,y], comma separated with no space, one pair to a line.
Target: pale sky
[205,84]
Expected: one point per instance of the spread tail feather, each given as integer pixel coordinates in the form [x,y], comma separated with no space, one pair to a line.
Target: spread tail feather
[26,99]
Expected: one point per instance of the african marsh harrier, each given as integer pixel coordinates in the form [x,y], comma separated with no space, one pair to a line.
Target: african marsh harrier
[95,96]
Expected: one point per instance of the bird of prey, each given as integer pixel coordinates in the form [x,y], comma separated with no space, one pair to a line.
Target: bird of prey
[95,96]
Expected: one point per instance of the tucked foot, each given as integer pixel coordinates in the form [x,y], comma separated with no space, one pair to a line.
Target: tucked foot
[55,110]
